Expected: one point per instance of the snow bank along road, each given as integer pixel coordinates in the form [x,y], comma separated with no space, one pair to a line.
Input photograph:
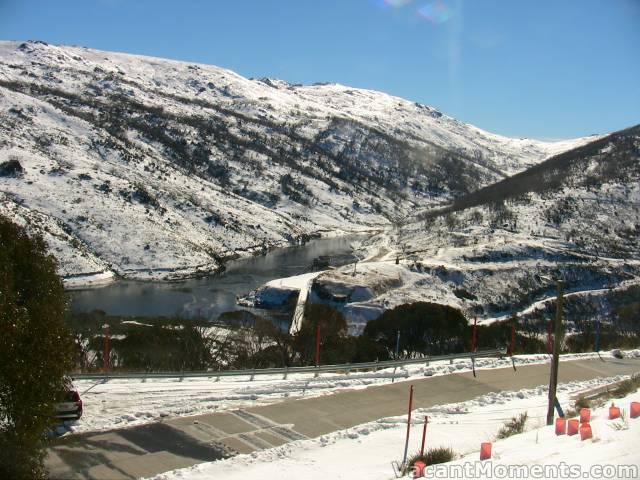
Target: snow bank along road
[175,443]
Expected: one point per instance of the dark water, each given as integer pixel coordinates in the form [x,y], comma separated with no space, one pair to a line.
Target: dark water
[208,297]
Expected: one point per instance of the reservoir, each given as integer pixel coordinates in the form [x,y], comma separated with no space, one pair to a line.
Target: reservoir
[208,297]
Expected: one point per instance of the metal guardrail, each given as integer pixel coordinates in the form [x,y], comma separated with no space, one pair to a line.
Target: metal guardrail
[346,367]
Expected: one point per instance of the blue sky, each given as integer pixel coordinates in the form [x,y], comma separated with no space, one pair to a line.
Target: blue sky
[544,69]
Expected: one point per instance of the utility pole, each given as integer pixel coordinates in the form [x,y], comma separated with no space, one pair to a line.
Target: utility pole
[553,378]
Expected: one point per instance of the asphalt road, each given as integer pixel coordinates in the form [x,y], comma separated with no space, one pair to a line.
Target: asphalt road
[180,442]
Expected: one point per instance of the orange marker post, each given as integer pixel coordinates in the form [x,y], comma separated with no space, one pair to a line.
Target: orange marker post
[573,426]
[561,426]
[485,450]
[418,469]
[614,412]
[585,431]
[585,415]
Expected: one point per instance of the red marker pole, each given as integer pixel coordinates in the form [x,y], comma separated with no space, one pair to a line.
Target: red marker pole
[406,443]
[474,345]
[424,435]
[474,337]
[105,349]
[512,347]
[318,346]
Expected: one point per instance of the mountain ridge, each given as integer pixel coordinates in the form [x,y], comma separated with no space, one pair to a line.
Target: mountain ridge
[158,169]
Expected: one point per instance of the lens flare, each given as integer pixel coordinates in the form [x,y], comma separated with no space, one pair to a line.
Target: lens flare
[397,3]
[436,12]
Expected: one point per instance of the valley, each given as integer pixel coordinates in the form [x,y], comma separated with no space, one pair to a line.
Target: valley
[136,168]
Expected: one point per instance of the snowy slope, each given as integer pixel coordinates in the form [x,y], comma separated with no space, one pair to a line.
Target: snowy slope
[153,168]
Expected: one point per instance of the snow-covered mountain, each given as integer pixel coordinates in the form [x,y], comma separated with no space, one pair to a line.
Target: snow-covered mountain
[153,168]
[497,252]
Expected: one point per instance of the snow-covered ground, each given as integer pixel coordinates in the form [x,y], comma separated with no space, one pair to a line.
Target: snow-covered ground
[368,450]
[120,403]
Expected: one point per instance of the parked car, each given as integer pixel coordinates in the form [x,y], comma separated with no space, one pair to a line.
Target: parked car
[71,406]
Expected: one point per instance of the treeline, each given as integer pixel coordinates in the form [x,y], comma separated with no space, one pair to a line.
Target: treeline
[174,344]
[248,341]
[620,330]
